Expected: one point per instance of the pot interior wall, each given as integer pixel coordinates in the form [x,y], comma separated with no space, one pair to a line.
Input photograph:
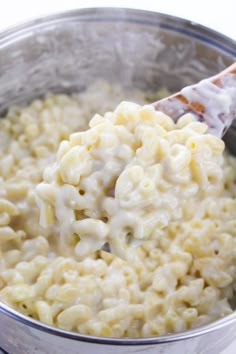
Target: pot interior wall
[134,48]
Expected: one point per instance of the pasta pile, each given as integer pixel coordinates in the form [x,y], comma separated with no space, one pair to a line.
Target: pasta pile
[123,180]
[181,277]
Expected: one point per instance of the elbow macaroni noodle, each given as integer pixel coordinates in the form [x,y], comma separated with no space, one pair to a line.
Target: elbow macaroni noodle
[115,182]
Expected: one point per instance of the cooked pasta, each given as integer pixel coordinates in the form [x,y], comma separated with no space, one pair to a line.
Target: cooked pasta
[123,180]
[181,277]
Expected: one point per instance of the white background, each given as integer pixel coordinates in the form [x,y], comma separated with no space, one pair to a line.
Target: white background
[219,15]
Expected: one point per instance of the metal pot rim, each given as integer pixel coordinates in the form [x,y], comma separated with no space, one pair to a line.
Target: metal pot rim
[187,27]
[216,325]
[165,21]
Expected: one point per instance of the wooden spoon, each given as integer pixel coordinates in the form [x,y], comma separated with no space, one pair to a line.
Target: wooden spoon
[212,101]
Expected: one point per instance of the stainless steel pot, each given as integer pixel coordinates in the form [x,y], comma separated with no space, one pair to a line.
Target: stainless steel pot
[66,52]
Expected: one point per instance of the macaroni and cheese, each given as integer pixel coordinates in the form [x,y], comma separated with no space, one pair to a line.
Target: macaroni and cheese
[123,180]
[181,277]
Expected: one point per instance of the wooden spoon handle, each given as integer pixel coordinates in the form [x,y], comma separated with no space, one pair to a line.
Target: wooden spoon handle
[212,101]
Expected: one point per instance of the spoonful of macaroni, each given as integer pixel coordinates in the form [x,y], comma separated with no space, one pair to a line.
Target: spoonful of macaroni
[138,169]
